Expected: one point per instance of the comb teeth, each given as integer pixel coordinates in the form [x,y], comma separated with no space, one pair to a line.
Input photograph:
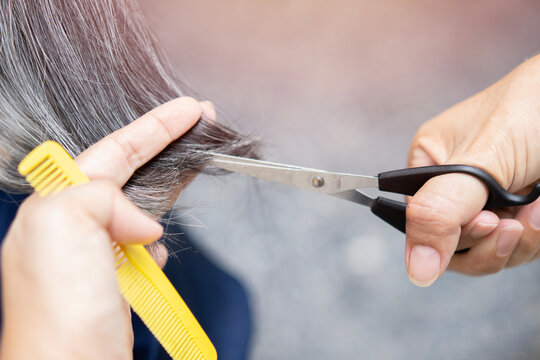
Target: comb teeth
[168,318]
[46,163]
[40,176]
[49,169]
[47,178]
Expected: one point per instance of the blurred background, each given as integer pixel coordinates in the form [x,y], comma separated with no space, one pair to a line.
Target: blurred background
[343,85]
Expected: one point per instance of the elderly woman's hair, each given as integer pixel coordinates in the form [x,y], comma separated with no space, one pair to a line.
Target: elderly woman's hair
[75,71]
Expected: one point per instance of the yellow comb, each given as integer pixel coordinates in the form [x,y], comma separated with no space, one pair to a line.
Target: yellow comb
[49,169]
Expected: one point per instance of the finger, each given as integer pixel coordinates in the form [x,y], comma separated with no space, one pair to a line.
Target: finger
[104,203]
[479,227]
[209,110]
[529,244]
[491,254]
[427,151]
[118,155]
[129,225]
[159,253]
[435,215]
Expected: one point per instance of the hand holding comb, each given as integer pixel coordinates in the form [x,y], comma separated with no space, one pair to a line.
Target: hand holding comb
[49,170]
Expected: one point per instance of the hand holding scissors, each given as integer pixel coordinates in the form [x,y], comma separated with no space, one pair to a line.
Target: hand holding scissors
[348,186]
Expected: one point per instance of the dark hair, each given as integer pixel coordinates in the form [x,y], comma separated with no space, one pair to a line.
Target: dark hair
[75,71]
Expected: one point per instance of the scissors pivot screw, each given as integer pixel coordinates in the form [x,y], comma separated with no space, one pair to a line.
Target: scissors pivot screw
[317,182]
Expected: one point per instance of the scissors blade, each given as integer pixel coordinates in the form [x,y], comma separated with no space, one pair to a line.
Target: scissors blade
[356,196]
[305,178]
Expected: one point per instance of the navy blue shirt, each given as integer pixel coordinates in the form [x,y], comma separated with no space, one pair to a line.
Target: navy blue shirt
[218,301]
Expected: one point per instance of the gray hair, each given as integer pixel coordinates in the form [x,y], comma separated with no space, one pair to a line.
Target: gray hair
[75,71]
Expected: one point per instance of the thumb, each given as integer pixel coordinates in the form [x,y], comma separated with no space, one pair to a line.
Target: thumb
[124,222]
[435,215]
[105,204]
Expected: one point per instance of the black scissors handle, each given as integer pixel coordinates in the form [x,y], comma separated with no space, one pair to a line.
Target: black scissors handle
[409,181]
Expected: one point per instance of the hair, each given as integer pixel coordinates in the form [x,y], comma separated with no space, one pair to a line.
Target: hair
[75,71]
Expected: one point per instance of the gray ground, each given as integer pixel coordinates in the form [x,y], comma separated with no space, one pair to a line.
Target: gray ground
[342,85]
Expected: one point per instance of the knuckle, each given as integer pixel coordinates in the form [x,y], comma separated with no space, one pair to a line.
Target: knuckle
[425,130]
[528,245]
[429,217]
[485,266]
[474,265]
[129,151]
[163,127]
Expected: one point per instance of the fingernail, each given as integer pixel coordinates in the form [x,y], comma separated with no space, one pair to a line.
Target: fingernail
[482,229]
[534,219]
[424,265]
[508,238]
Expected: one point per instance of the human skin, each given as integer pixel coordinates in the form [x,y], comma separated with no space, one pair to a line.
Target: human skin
[497,130]
[59,291]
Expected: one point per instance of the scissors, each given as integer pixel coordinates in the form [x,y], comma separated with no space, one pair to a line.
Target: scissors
[346,186]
